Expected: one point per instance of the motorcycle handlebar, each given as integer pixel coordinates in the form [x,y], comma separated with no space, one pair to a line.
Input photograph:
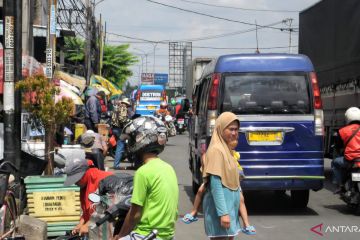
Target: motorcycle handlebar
[103,219]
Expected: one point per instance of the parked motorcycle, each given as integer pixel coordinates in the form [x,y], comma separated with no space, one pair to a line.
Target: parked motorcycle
[350,194]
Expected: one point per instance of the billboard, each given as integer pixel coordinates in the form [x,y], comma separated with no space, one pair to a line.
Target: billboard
[147,78]
[161,78]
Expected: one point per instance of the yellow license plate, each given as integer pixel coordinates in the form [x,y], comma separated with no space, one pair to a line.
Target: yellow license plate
[265,136]
[150,107]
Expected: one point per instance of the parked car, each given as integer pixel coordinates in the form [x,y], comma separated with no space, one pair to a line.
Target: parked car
[277,100]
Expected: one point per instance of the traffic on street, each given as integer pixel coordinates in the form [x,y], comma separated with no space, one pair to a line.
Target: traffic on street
[179,119]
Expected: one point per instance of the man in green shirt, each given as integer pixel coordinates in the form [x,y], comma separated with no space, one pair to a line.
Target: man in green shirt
[156,193]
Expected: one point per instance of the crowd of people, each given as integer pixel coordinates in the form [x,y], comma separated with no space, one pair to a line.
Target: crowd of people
[155,193]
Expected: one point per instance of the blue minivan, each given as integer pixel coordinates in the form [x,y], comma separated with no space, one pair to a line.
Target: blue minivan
[148,99]
[277,100]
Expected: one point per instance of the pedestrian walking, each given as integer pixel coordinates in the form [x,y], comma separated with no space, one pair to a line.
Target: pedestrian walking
[222,197]
[93,111]
[119,119]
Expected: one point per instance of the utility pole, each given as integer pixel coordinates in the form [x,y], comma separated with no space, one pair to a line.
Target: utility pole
[88,42]
[257,40]
[290,30]
[18,77]
[9,81]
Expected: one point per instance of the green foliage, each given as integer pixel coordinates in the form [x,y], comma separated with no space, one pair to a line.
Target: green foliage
[74,50]
[116,60]
[116,63]
[39,100]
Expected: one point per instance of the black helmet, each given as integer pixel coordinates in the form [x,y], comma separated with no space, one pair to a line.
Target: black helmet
[145,134]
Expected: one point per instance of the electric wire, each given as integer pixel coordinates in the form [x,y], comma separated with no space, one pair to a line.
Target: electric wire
[216,17]
[239,8]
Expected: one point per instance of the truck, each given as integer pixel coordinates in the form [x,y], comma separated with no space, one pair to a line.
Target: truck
[193,73]
[329,35]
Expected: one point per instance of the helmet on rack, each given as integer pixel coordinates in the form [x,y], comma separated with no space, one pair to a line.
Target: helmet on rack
[163,105]
[145,134]
[352,114]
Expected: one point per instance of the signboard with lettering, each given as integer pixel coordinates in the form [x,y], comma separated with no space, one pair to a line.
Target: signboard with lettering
[49,63]
[161,78]
[52,20]
[147,78]
[57,203]
[9,32]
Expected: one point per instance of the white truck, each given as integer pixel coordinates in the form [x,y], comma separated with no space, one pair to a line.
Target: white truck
[193,73]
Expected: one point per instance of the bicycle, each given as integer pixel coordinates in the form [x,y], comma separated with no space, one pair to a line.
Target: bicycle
[9,210]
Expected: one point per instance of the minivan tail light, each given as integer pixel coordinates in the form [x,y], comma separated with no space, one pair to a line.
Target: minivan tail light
[319,122]
[316,91]
[214,91]
[210,124]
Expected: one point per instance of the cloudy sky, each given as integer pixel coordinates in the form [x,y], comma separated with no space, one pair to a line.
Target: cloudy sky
[140,20]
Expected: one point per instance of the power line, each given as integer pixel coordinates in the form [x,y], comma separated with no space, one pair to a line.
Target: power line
[199,38]
[218,48]
[136,38]
[239,8]
[216,17]
[234,48]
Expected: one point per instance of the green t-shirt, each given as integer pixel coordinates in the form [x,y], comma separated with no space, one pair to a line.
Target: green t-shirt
[156,190]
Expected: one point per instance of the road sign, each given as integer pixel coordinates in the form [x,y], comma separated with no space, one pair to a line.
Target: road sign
[161,78]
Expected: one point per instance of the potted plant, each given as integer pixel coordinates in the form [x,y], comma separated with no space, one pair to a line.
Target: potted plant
[39,100]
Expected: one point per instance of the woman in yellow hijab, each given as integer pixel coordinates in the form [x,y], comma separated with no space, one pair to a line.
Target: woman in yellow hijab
[222,198]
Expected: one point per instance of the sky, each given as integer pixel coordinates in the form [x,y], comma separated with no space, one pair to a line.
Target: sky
[148,20]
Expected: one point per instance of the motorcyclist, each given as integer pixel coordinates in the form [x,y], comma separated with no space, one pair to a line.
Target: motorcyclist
[347,144]
[155,195]
[163,111]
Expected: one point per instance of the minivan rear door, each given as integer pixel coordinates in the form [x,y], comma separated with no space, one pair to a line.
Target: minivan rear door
[277,137]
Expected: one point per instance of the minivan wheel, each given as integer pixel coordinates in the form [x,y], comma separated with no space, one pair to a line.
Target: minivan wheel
[300,198]
[195,187]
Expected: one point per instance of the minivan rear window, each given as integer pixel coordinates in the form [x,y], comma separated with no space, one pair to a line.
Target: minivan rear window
[150,95]
[268,93]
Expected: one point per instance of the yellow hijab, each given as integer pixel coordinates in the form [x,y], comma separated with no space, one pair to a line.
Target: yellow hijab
[219,159]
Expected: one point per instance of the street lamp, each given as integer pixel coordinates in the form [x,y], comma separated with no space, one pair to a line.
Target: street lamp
[145,54]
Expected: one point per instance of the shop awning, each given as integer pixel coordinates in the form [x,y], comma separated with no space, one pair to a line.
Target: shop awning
[112,88]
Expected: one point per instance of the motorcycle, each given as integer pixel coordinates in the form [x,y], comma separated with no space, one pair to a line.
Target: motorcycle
[180,124]
[112,207]
[169,124]
[350,194]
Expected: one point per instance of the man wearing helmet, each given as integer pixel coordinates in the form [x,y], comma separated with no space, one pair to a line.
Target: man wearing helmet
[347,144]
[155,193]
[163,111]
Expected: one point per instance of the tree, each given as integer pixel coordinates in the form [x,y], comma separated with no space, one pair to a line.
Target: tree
[116,63]
[74,50]
[116,60]
[38,100]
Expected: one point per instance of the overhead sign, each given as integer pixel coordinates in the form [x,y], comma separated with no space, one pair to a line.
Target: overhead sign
[161,78]
[147,78]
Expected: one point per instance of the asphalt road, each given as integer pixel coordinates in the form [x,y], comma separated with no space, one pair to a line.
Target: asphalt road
[272,216]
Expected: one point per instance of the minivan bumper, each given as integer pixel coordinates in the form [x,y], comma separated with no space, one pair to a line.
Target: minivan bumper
[283,183]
